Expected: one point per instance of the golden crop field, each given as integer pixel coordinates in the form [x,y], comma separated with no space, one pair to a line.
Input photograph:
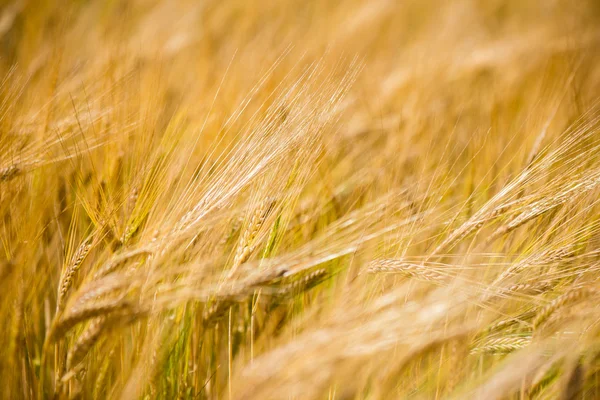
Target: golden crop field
[300,199]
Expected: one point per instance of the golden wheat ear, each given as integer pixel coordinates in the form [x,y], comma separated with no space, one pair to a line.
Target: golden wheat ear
[71,269]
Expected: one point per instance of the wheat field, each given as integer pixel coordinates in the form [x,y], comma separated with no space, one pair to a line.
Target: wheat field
[300,199]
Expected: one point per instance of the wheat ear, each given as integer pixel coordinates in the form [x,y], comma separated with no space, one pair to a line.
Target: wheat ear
[247,243]
[572,296]
[69,273]
[417,271]
[502,345]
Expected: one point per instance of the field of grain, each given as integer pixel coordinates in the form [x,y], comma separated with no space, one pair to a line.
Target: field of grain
[300,199]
